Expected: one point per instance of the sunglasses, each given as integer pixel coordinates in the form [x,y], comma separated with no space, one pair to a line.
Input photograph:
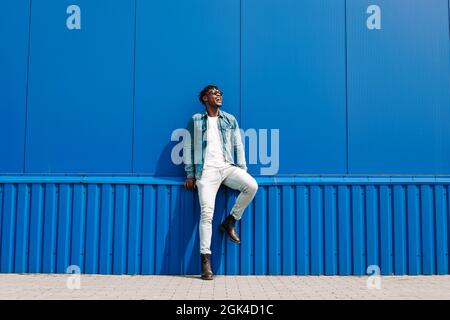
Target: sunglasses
[215,92]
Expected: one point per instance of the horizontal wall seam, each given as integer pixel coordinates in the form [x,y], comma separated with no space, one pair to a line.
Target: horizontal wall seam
[150,180]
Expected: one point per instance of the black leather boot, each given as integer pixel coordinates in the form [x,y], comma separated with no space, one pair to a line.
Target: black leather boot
[228,227]
[207,273]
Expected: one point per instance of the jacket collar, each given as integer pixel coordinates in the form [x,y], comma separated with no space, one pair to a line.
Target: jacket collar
[205,114]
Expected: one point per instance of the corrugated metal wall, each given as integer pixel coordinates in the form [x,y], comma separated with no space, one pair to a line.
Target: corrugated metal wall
[294,226]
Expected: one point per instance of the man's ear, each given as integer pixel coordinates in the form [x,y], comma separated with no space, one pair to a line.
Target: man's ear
[205,98]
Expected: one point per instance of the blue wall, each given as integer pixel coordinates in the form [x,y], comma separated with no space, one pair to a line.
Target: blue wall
[84,113]
[105,99]
[302,226]
[179,49]
[398,96]
[80,94]
[293,78]
[14,34]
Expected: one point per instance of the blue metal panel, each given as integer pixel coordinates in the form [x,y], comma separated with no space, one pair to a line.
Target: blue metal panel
[162,225]
[441,230]
[247,226]
[386,233]
[8,223]
[428,227]
[188,230]
[1,215]
[22,225]
[64,227]
[50,228]
[293,79]
[317,226]
[400,254]
[121,228]
[78,226]
[261,241]
[181,46]
[152,228]
[447,199]
[287,213]
[149,230]
[14,36]
[413,225]
[273,230]
[345,233]
[302,230]
[358,232]
[330,230]
[174,233]
[93,228]
[36,228]
[81,88]
[372,226]
[135,230]
[398,88]
[106,229]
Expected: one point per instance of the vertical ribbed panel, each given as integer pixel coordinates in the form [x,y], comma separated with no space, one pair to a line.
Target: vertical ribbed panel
[386,228]
[22,228]
[261,231]
[303,230]
[330,228]
[8,227]
[64,227]
[36,228]
[344,234]
[292,228]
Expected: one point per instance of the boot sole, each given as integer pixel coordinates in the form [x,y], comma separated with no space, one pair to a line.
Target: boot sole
[222,228]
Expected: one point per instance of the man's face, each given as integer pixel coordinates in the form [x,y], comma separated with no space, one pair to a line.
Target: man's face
[214,97]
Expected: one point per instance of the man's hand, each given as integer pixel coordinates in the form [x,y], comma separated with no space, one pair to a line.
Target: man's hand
[190,184]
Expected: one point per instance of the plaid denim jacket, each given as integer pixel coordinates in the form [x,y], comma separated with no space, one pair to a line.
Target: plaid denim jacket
[195,143]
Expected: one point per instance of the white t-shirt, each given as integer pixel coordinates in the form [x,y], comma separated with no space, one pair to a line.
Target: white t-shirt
[214,156]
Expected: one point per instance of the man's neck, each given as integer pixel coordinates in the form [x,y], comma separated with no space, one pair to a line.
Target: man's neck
[213,111]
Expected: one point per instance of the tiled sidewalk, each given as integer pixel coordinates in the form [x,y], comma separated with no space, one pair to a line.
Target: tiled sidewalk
[43,286]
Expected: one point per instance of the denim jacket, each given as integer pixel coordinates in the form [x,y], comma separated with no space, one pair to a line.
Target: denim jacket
[195,143]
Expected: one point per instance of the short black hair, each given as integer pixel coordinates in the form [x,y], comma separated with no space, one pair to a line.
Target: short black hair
[205,91]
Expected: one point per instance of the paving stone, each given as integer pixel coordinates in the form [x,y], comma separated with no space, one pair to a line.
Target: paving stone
[54,286]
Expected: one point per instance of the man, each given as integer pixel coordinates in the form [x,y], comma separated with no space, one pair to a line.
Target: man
[208,156]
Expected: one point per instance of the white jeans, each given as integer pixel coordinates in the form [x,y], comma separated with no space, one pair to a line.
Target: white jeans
[210,181]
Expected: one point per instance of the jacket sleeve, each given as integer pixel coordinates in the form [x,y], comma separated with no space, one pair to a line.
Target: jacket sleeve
[238,147]
[188,151]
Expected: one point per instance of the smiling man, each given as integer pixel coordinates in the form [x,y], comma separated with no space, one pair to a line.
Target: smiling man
[209,158]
